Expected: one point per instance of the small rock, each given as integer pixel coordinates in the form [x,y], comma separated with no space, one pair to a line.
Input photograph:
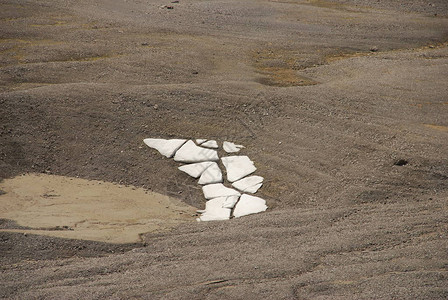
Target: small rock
[374,49]
[400,162]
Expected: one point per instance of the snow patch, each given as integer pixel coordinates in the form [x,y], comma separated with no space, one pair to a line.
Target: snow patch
[237,167]
[230,147]
[190,153]
[218,190]
[211,175]
[165,147]
[202,164]
[230,201]
[210,144]
[215,210]
[249,184]
[200,141]
[195,170]
[249,205]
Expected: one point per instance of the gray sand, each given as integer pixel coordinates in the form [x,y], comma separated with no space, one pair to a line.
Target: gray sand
[343,106]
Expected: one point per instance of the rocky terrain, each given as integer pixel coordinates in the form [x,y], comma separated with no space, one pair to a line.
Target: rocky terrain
[341,104]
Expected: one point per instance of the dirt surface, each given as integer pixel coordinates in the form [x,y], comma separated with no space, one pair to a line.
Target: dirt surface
[91,210]
[343,106]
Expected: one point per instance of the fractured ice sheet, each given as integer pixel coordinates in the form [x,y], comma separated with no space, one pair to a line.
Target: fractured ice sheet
[230,201]
[201,162]
[230,147]
[196,170]
[237,167]
[218,190]
[249,184]
[200,141]
[210,144]
[211,175]
[249,205]
[215,210]
[190,153]
[165,147]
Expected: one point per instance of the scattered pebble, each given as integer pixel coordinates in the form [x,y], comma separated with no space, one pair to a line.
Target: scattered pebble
[400,162]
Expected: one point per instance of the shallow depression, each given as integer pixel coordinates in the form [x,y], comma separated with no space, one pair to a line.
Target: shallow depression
[86,209]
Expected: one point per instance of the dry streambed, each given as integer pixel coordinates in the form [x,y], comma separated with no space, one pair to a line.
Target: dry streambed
[87,209]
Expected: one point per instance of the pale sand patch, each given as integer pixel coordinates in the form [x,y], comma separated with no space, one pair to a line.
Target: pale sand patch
[436,127]
[95,210]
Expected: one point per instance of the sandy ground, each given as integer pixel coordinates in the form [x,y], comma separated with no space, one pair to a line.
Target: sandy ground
[92,210]
[343,106]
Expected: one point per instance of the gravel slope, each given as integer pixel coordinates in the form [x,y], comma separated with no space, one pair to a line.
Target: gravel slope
[341,104]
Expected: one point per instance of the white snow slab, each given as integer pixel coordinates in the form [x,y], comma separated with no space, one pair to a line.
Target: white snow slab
[249,205]
[237,167]
[196,170]
[230,201]
[211,175]
[190,153]
[218,190]
[230,147]
[253,189]
[200,141]
[165,147]
[215,210]
[249,184]
[210,144]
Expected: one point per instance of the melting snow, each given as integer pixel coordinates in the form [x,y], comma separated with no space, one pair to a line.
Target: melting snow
[230,201]
[215,210]
[218,190]
[195,170]
[230,147]
[249,184]
[211,175]
[200,141]
[237,167]
[165,147]
[203,165]
[210,144]
[190,153]
[249,205]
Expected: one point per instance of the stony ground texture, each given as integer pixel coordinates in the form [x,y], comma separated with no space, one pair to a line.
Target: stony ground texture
[343,106]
